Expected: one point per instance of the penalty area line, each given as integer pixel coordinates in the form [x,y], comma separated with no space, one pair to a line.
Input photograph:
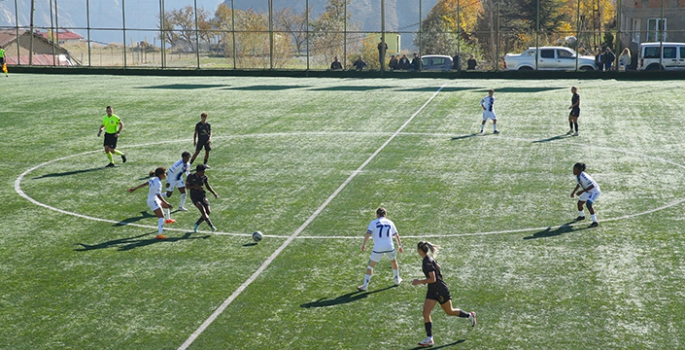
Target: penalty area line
[299,230]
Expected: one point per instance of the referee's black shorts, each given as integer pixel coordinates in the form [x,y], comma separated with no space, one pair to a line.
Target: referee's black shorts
[110,140]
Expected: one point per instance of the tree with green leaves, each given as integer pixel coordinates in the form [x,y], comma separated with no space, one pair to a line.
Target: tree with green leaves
[327,32]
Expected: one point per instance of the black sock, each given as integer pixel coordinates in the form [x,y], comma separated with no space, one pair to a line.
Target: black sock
[576,125]
[429,329]
[463,314]
[206,159]
[570,124]
[209,222]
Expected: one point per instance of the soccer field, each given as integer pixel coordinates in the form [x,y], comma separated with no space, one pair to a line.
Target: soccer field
[307,162]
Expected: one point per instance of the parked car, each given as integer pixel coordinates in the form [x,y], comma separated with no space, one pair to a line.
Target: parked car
[436,62]
[550,58]
[661,56]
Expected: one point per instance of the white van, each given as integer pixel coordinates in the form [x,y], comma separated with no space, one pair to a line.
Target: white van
[661,56]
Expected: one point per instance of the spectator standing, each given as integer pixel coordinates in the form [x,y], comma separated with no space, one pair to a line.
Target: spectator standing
[404,63]
[456,61]
[624,60]
[608,59]
[382,49]
[359,63]
[336,65]
[394,64]
[598,60]
[415,63]
[471,63]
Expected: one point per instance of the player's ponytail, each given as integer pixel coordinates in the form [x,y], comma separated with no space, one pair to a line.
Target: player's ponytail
[579,166]
[428,246]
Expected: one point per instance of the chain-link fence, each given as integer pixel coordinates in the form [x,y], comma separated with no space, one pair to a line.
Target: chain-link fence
[359,34]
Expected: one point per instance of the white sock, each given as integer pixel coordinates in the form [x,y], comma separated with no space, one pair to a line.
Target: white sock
[396,273]
[581,213]
[183,199]
[367,279]
[594,217]
[494,127]
[160,226]
[167,214]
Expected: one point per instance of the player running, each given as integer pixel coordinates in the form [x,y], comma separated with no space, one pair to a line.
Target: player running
[155,200]
[382,230]
[488,104]
[196,183]
[588,194]
[175,179]
[438,292]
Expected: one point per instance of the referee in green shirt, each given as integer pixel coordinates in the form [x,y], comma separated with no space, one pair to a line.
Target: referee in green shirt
[112,125]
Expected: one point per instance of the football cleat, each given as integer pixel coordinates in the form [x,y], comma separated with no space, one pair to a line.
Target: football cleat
[110,165]
[123,158]
[570,132]
[472,317]
[362,288]
[580,218]
[182,209]
[594,224]
[398,280]
[213,228]
[170,221]
[427,342]
[495,132]
[575,133]
[161,237]
[207,166]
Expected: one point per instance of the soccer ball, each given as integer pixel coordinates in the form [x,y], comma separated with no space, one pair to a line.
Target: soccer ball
[257,236]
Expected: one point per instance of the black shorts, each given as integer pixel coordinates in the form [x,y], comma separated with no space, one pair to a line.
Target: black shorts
[2,61]
[202,199]
[204,143]
[110,140]
[575,112]
[439,291]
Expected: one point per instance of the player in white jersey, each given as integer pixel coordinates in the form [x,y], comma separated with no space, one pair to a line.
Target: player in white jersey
[488,104]
[589,193]
[175,179]
[382,230]
[155,200]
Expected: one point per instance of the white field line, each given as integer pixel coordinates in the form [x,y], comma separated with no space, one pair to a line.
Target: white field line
[297,232]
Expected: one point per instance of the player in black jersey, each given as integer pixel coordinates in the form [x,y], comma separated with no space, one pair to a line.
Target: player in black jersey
[438,292]
[202,138]
[575,111]
[196,183]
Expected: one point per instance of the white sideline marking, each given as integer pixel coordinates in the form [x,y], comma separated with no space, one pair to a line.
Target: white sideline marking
[297,232]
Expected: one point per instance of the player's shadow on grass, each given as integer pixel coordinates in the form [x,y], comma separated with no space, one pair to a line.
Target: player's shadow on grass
[129,243]
[143,215]
[464,136]
[267,88]
[67,173]
[184,86]
[553,138]
[441,346]
[549,232]
[344,299]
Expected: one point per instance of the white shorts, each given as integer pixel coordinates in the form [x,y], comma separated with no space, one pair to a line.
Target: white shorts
[589,197]
[171,184]
[489,115]
[154,203]
[376,257]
